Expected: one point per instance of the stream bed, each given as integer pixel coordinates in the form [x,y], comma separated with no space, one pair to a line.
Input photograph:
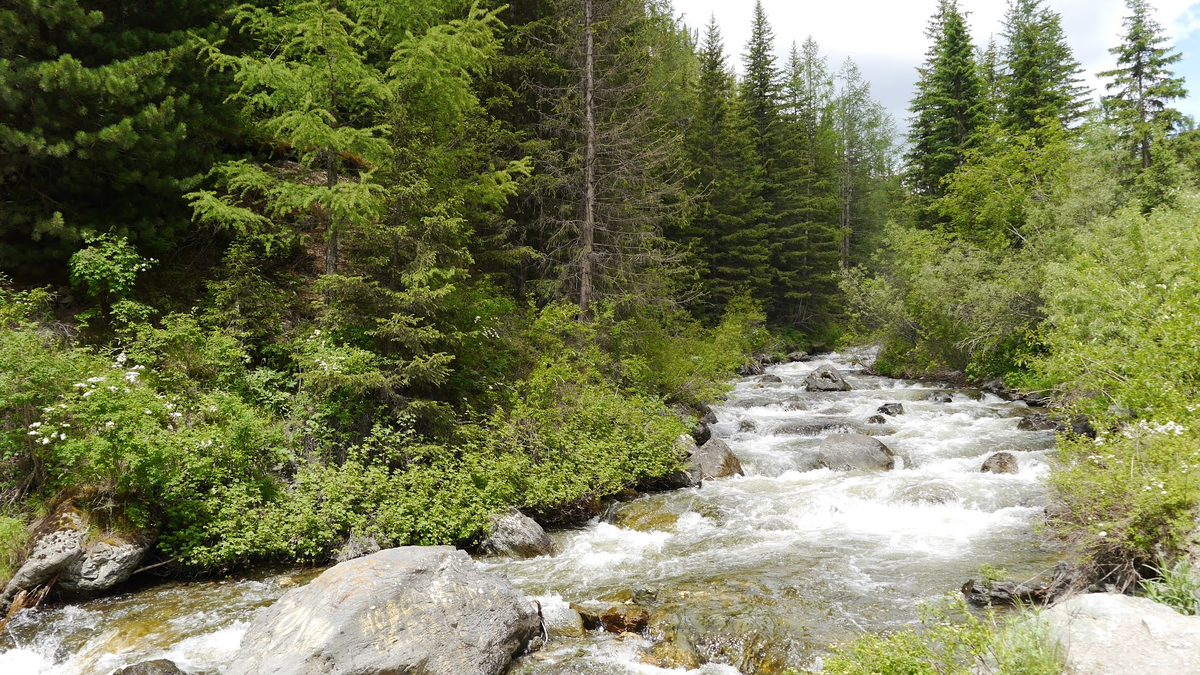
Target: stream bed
[752,574]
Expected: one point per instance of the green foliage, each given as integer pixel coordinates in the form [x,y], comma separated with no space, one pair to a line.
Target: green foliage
[13,537]
[1041,83]
[108,267]
[1176,586]
[954,641]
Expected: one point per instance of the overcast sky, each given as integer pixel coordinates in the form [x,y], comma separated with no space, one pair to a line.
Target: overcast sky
[886,37]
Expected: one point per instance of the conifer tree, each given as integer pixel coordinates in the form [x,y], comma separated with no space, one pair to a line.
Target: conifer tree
[726,228]
[106,120]
[949,106]
[761,84]
[1143,83]
[865,147]
[1041,82]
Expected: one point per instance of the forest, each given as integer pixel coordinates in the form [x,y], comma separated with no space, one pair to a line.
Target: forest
[277,275]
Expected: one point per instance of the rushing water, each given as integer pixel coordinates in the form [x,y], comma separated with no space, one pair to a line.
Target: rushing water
[754,574]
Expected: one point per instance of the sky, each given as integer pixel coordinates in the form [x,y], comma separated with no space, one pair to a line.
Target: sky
[886,38]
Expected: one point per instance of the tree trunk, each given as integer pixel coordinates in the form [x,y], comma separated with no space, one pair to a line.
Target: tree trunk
[588,231]
[331,231]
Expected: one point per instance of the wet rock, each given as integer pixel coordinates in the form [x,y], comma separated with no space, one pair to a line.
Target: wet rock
[747,427]
[624,619]
[589,615]
[105,563]
[750,369]
[710,417]
[1110,634]
[1036,421]
[675,655]
[560,620]
[810,429]
[877,419]
[939,397]
[416,610]
[1003,593]
[701,433]
[826,378]
[60,545]
[155,667]
[797,356]
[716,460]
[357,546]
[689,476]
[1001,462]
[927,493]
[994,385]
[844,452]
[516,534]
[1079,426]
[892,409]
[770,379]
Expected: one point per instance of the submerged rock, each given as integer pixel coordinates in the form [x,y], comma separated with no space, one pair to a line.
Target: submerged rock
[561,620]
[1110,634]
[939,397]
[716,460]
[516,534]
[844,452]
[155,667]
[747,427]
[415,610]
[826,378]
[810,429]
[877,419]
[927,493]
[892,409]
[770,379]
[1001,462]
[624,619]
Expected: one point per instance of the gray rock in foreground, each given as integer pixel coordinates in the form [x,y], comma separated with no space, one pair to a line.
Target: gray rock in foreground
[1001,462]
[103,565]
[826,378]
[50,554]
[155,667]
[1110,634]
[844,452]
[414,610]
[516,534]
[716,460]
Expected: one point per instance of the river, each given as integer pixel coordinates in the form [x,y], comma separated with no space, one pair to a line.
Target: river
[754,574]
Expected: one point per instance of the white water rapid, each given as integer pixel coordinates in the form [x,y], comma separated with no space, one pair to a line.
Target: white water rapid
[753,574]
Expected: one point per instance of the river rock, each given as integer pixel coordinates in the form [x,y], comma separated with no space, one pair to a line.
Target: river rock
[826,378]
[1036,421]
[689,476]
[747,427]
[1003,593]
[770,379]
[797,356]
[877,419]
[561,620]
[716,460]
[419,610]
[939,397]
[710,417]
[1001,462]
[750,369]
[624,619]
[60,545]
[844,452]
[927,493]
[701,433]
[515,534]
[105,563]
[1110,634]
[810,429]
[155,667]
[892,409]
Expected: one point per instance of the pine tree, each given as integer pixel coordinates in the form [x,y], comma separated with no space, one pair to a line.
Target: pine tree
[1143,83]
[806,255]
[761,84]
[949,106]
[726,227]
[1042,82]
[865,146]
[106,119]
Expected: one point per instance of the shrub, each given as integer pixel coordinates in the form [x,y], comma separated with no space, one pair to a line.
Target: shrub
[1176,586]
[13,537]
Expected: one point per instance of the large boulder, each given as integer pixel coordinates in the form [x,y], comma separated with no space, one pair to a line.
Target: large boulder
[716,460]
[797,356]
[415,610]
[105,563]
[844,452]
[826,378]
[516,534]
[58,544]
[1110,634]
[1001,462]
[892,409]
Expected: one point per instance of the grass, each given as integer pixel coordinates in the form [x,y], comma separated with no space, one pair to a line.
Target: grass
[1177,586]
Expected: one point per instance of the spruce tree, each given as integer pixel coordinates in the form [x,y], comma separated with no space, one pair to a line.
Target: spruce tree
[865,147]
[726,229]
[106,119]
[761,83]
[949,106]
[1143,83]
[1041,82]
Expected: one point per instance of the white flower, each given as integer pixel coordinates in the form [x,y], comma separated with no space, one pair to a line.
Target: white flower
[33,433]
[1103,533]
[45,441]
[79,385]
[35,425]
[96,379]
[121,359]
[147,411]
[88,393]
[62,437]
[109,424]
